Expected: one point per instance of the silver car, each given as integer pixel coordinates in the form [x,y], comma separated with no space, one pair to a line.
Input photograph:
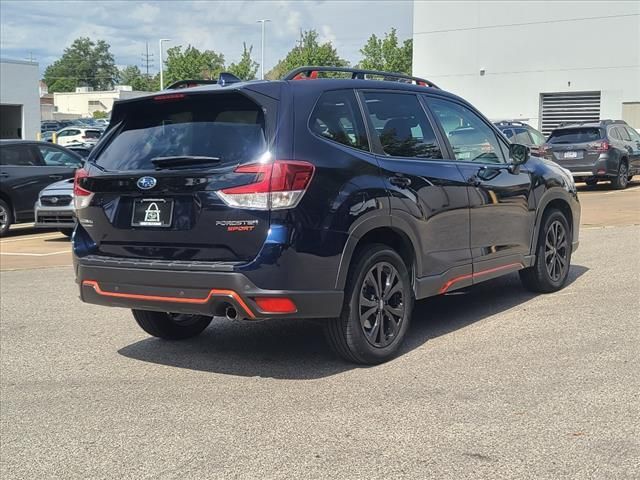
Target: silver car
[54,207]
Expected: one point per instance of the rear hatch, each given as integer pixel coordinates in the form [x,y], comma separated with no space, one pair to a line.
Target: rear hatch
[576,148]
[155,176]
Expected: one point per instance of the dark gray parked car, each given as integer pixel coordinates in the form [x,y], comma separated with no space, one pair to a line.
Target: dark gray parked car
[604,150]
[26,167]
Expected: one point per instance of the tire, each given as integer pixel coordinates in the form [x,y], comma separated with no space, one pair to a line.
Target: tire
[621,180]
[67,232]
[6,217]
[549,273]
[591,182]
[171,326]
[380,334]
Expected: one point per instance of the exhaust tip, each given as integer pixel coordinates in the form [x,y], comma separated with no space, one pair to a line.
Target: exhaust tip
[231,313]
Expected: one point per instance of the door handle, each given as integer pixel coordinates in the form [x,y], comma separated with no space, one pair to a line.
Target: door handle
[4,174]
[400,181]
[55,177]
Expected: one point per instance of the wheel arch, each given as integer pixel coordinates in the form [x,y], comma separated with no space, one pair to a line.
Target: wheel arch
[553,201]
[380,231]
[8,201]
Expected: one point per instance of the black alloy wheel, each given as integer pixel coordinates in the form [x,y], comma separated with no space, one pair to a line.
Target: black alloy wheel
[381,304]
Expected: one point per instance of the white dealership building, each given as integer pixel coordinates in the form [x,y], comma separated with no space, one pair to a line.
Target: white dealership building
[19,99]
[546,61]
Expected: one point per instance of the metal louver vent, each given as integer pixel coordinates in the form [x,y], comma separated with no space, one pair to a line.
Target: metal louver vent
[568,107]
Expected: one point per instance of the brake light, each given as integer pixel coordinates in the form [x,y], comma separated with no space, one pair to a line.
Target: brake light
[169,97]
[81,196]
[544,149]
[276,185]
[599,147]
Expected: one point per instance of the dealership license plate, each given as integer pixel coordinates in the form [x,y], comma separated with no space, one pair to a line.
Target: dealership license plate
[570,154]
[152,212]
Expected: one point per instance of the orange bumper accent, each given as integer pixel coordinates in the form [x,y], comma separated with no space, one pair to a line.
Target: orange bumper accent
[155,298]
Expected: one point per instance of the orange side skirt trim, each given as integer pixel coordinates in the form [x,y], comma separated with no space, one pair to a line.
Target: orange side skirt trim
[448,285]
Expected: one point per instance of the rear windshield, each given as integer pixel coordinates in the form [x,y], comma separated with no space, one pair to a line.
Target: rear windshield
[227,126]
[92,133]
[575,135]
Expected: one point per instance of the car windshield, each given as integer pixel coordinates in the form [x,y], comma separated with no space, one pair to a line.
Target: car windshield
[575,135]
[229,127]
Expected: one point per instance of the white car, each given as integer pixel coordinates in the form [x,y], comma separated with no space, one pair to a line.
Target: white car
[54,207]
[78,135]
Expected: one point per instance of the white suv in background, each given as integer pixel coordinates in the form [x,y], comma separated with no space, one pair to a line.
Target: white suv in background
[78,135]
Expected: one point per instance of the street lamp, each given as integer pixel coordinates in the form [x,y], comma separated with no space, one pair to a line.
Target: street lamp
[161,62]
[263,22]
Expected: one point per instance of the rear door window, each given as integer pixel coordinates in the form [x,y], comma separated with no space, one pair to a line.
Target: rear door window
[337,117]
[538,138]
[613,133]
[227,126]
[522,137]
[575,135]
[55,157]
[19,156]
[624,134]
[401,125]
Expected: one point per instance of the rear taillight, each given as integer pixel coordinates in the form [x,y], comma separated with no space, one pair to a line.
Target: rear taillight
[277,185]
[544,149]
[599,147]
[81,196]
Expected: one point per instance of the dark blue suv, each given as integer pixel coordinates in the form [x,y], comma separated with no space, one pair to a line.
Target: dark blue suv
[344,199]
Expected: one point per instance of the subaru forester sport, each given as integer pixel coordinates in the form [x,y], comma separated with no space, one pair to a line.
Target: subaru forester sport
[341,199]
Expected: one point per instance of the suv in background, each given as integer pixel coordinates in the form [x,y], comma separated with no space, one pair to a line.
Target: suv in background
[26,168]
[595,151]
[342,199]
[519,132]
[75,135]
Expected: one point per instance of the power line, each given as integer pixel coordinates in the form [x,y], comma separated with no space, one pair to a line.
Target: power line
[147,60]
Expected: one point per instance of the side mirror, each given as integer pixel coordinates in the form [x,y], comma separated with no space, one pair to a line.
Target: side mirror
[519,154]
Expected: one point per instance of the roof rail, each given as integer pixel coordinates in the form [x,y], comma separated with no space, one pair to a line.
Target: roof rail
[519,123]
[311,72]
[224,78]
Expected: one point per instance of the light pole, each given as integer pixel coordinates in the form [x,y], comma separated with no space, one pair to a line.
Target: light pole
[161,62]
[263,22]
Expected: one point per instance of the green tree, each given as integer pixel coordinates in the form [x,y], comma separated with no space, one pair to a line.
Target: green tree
[84,63]
[308,52]
[246,68]
[192,64]
[387,54]
[131,75]
[99,114]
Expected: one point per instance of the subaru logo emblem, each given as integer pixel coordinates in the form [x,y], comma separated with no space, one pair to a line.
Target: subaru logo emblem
[146,183]
[53,199]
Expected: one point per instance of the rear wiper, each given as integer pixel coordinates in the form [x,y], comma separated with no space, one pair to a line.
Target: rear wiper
[183,161]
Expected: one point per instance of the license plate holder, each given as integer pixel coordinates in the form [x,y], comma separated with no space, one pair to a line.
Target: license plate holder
[152,212]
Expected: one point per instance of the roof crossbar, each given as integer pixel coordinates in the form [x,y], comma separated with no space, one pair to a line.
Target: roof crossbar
[311,72]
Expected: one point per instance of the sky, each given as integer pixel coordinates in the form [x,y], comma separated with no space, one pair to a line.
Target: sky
[40,30]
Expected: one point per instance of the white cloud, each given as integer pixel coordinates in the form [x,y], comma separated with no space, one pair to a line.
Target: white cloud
[46,28]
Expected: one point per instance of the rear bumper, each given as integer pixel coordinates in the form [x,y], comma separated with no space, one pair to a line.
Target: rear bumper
[604,166]
[205,293]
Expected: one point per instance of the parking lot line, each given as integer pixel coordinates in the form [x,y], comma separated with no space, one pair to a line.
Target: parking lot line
[34,254]
[29,237]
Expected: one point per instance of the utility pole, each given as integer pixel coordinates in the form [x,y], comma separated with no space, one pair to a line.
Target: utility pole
[263,22]
[147,60]
[161,62]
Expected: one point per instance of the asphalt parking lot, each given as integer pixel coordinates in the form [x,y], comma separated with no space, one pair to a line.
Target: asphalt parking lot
[494,382]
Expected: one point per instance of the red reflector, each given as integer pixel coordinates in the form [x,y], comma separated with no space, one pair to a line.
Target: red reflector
[602,171]
[78,191]
[275,305]
[169,97]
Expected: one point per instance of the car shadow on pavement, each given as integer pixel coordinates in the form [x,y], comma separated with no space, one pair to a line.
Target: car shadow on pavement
[296,350]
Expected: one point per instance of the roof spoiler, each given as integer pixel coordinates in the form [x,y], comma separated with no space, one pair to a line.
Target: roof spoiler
[311,73]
